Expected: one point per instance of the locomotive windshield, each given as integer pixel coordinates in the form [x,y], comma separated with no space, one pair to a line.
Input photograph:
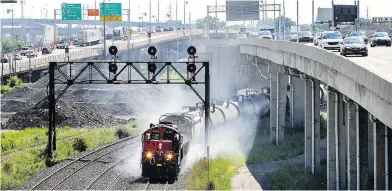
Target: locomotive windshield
[155,136]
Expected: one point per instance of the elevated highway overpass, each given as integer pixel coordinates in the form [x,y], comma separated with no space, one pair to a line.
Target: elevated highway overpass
[27,22]
[359,102]
[77,53]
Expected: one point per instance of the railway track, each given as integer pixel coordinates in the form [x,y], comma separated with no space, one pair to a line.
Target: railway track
[109,149]
[149,185]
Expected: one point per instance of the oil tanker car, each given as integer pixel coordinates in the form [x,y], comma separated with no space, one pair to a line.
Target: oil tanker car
[164,145]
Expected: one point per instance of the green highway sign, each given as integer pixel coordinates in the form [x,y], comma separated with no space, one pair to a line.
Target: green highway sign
[71,11]
[110,9]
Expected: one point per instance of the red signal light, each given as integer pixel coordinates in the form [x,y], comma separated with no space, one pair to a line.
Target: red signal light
[191,50]
[152,67]
[113,68]
[113,50]
[191,68]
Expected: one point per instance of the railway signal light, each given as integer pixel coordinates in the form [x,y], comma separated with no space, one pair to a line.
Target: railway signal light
[191,50]
[152,50]
[191,68]
[152,68]
[113,68]
[113,50]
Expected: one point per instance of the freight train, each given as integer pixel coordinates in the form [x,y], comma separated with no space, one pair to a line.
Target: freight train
[164,145]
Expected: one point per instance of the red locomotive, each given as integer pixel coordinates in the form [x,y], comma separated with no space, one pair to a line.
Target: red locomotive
[163,150]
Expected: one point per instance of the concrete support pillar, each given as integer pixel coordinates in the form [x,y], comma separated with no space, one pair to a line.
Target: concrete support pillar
[273,101]
[299,102]
[352,146]
[389,159]
[342,120]
[308,125]
[282,83]
[317,165]
[312,125]
[379,155]
[278,101]
[370,156]
[332,134]
[363,148]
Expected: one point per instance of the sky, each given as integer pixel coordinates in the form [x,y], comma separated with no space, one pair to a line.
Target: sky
[197,8]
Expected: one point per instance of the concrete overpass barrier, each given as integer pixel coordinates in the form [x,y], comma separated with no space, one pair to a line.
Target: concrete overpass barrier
[96,50]
[369,88]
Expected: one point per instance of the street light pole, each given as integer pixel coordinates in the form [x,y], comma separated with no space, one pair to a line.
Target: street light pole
[158,12]
[185,3]
[12,39]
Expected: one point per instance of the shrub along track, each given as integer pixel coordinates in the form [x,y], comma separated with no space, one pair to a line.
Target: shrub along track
[6,155]
[70,175]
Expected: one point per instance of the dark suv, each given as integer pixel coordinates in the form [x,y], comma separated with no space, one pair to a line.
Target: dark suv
[47,50]
[305,36]
[360,34]
[380,38]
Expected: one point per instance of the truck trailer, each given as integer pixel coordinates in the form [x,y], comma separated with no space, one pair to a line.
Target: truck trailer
[119,33]
[89,37]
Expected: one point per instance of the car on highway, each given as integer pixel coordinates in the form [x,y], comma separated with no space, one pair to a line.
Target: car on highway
[265,35]
[159,29]
[361,34]
[380,38]
[317,38]
[241,35]
[17,57]
[47,50]
[305,36]
[61,45]
[179,29]
[31,54]
[24,50]
[353,46]
[165,30]
[172,29]
[293,37]
[143,32]
[4,60]
[331,40]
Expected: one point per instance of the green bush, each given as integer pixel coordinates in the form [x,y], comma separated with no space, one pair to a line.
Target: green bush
[80,145]
[122,133]
[5,89]
[14,81]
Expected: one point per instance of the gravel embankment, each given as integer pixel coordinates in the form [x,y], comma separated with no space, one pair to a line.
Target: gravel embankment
[89,105]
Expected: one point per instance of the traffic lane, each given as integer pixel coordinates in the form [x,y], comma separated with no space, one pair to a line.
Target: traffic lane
[378,61]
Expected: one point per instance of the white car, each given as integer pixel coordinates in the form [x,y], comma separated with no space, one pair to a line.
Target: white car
[265,35]
[331,40]
[143,32]
[317,38]
[241,35]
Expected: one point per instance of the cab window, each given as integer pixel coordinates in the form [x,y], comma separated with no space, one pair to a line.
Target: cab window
[155,136]
[168,135]
[148,136]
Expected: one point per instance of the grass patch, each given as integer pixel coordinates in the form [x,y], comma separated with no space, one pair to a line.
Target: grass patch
[293,177]
[224,167]
[263,151]
[19,166]
[222,170]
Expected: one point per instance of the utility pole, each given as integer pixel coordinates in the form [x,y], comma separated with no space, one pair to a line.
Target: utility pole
[158,12]
[185,3]
[284,20]
[170,10]
[95,7]
[104,32]
[367,12]
[359,17]
[313,17]
[333,14]
[176,11]
[297,18]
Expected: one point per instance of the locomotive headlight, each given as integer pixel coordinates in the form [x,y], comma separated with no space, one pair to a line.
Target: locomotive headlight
[149,154]
[169,156]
